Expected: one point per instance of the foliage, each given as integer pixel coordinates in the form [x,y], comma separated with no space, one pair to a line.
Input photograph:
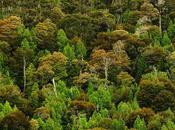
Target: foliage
[15,120]
[45,34]
[69,52]
[52,65]
[62,39]
[101,98]
[156,89]
[139,124]
[87,65]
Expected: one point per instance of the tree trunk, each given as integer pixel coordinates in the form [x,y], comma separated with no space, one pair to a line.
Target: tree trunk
[106,65]
[54,87]
[160,22]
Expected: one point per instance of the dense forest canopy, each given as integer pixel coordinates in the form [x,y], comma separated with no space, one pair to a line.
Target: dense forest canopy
[87,65]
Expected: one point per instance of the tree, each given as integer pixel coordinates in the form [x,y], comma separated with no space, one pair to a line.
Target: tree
[46,34]
[105,61]
[81,51]
[140,66]
[68,51]
[106,40]
[124,109]
[30,78]
[164,127]
[80,122]
[154,56]
[102,60]
[56,107]
[84,26]
[100,120]
[62,39]
[144,113]
[22,55]
[25,45]
[4,53]
[118,125]
[8,29]
[139,124]
[52,66]
[171,29]
[101,97]
[156,89]
[160,6]
[79,106]
[166,41]
[34,97]
[149,10]
[56,14]
[170,124]
[125,79]
[6,109]
[13,95]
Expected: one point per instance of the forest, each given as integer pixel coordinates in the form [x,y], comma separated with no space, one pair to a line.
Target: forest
[87,65]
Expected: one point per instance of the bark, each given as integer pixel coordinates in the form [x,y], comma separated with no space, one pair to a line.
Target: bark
[54,86]
[106,67]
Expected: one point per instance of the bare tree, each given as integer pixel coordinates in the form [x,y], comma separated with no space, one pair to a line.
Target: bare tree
[160,6]
[107,63]
[54,87]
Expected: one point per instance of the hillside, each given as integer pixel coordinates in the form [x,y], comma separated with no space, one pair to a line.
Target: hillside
[87,65]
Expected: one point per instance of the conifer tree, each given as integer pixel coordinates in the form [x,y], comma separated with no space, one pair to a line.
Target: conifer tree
[166,41]
[140,124]
[81,50]
[171,29]
[34,97]
[118,125]
[62,39]
[69,52]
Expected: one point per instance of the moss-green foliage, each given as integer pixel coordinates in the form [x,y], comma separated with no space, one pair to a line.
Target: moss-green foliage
[87,65]
[156,90]
[139,124]
[101,97]
[16,121]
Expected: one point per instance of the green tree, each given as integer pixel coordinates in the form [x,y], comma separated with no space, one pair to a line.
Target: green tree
[102,98]
[140,124]
[68,51]
[62,40]
[73,93]
[97,118]
[81,51]
[52,125]
[166,41]
[164,127]
[140,66]
[126,108]
[52,66]
[80,123]
[34,97]
[170,125]
[46,35]
[118,125]
[30,78]
[5,109]
[171,29]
